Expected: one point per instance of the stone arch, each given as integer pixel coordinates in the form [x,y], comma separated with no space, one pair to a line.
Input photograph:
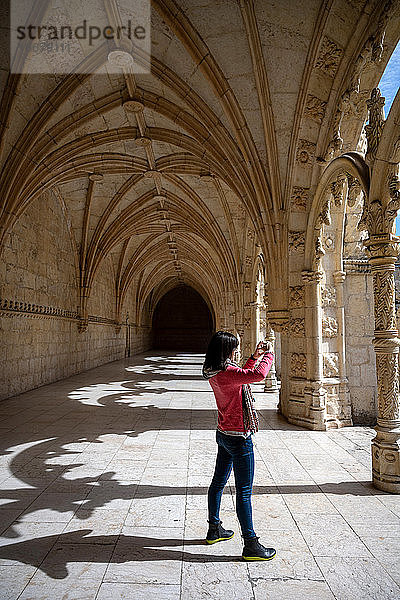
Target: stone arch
[182,320]
[334,249]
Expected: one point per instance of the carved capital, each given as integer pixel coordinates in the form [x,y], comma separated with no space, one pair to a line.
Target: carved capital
[382,249]
[378,219]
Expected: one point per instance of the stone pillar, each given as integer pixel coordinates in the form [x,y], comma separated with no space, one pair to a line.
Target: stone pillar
[271,382]
[127,337]
[382,252]
[314,392]
[240,335]
[344,394]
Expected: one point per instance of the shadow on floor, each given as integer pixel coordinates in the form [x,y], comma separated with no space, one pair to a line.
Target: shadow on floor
[49,424]
[105,491]
[79,546]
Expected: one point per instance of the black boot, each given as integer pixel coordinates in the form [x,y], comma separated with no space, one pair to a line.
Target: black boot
[216,533]
[253,550]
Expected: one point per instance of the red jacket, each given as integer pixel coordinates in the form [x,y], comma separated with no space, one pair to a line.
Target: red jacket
[227,388]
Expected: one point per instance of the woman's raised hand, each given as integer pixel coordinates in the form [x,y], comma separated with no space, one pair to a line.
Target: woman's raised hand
[262,348]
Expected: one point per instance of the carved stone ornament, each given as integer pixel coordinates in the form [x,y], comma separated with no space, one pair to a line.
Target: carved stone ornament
[359,65]
[83,325]
[388,386]
[384,295]
[328,296]
[296,299]
[315,108]
[324,216]
[279,321]
[331,364]
[299,197]
[329,57]
[337,190]
[297,241]
[351,104]
[394,192]
[310,277]
[298,365]
[336,143]
[319,250]
[329,327]
[297,327]
[375,125]
[354,190]
[329,242]
[382,247]
[379,35]
[305,153]
[377,219]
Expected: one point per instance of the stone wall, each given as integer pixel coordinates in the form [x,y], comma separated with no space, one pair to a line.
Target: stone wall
[360,355]
[39,338]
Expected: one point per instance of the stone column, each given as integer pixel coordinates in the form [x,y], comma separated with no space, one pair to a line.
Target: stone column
[127,337]
[383,251]
[271,382]
[314,392]
[344,394]
[240,335]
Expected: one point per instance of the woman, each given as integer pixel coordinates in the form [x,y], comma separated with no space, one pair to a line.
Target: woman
[237,420]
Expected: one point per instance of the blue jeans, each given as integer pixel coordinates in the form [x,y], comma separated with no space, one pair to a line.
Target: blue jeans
[236,452]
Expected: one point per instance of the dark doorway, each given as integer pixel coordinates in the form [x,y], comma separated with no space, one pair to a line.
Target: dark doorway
[182,321]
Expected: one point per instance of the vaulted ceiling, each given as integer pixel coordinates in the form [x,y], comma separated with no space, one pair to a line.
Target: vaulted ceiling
[172,172]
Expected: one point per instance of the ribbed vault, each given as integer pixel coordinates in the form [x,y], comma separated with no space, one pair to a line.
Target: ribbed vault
[168,173]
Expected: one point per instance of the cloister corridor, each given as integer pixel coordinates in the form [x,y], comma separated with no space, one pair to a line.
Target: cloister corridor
[104,478]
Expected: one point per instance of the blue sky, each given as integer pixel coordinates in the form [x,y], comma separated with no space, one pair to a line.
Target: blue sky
[388,85]
[390,80]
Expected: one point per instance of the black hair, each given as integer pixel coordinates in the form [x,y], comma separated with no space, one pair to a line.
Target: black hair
[221,346]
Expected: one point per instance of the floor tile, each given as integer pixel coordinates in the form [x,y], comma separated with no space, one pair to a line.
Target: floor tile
[104,480]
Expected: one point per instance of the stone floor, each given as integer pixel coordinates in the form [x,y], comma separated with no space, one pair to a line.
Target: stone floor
[103,485]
